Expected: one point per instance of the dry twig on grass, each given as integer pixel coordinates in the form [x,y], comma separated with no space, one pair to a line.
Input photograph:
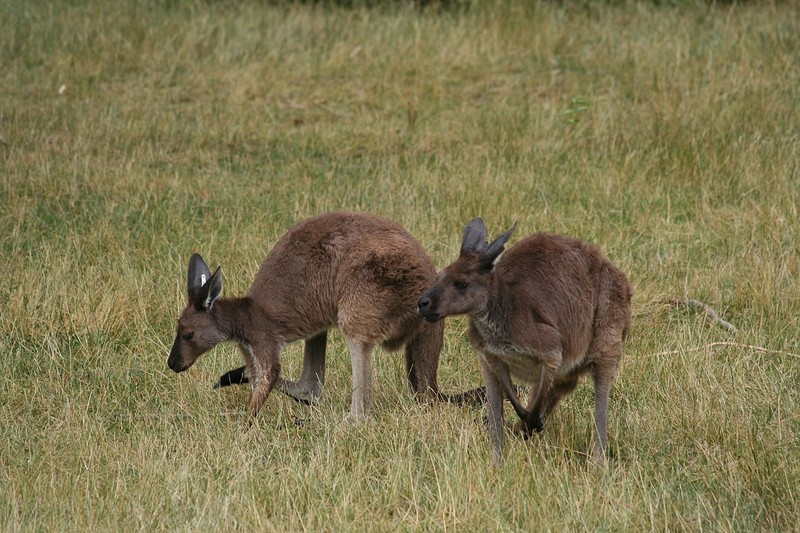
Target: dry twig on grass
[711,345]
[707,309]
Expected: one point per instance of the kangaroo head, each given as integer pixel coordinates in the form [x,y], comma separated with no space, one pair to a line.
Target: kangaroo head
[464,286]
[198,326]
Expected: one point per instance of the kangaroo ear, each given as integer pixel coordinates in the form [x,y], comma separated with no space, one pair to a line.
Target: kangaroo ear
[213,290]
[474,239]
[204,297]
[498,245]
[199,274]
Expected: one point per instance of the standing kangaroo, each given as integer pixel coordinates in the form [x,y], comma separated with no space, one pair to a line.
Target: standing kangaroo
[547,311]
[356,271]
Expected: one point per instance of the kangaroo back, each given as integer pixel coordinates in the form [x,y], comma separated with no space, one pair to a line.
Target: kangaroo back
[358,271]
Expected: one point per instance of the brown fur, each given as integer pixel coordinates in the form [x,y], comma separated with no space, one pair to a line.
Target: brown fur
[549,310]
[356,271]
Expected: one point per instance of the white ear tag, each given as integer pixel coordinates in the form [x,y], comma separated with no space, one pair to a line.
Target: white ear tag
[202,279]
[497,260]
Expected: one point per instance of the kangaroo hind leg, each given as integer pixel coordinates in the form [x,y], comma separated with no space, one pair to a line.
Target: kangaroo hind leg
[422,360]
[308,389]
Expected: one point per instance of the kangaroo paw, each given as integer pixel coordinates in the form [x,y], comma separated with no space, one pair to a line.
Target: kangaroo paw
[535,425]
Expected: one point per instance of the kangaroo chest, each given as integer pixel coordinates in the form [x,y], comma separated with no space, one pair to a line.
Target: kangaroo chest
[524,362]
[494,339]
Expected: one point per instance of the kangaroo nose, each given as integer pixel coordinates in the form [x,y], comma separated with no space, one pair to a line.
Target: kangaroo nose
[423,302]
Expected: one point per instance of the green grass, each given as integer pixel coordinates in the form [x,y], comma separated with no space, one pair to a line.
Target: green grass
[670,136]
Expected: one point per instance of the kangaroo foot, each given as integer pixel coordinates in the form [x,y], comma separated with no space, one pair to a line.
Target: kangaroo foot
[236,376]
[304,393]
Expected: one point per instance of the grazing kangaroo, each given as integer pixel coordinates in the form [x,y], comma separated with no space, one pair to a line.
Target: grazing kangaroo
[547,311]
[356,271]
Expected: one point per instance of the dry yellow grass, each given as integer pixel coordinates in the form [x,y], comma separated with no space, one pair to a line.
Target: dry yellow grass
[666,134]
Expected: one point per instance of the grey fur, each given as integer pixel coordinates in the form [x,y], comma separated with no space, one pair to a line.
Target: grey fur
[553,309]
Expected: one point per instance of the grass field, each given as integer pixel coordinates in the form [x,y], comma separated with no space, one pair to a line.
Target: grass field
[135,133]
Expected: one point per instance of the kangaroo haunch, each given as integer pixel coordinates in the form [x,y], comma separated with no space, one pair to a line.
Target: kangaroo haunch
[359,272]
[547,311]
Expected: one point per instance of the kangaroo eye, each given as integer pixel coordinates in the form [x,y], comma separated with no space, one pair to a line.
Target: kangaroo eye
[460,285]
[188,336]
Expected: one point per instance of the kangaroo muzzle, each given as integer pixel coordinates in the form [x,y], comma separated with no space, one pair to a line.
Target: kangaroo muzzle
[174,362]
[426,311]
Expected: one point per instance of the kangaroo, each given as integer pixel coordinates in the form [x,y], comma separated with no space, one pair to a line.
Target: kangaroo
[547,311]
[356,271]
